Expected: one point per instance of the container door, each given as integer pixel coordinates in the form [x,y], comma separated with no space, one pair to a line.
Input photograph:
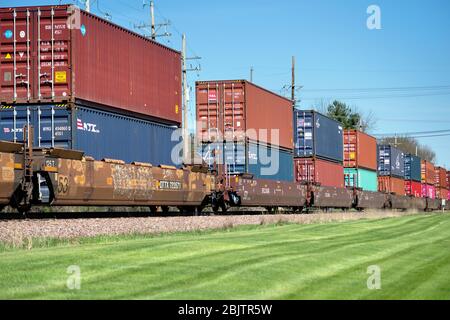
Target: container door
[235,159]
[52,127]
[53,42]
[208,112]
[304,146]
[12,121]
[16,48]
[233,95]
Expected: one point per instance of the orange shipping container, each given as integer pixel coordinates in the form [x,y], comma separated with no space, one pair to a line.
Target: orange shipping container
[237,109]
[441,193]
[440,177]
[428,172]
[391,185]
[360,150]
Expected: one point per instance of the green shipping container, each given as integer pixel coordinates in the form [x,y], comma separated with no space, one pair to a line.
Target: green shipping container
[360,178]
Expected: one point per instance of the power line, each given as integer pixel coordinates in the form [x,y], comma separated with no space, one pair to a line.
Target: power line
[411,133]
[443,87]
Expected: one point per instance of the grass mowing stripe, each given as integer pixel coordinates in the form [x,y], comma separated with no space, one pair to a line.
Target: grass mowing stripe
[294,261]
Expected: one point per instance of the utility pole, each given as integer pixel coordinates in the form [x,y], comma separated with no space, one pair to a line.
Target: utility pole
[152,19]
[154,27]
[293,81]
[88,5]
[251,74]
[185,126]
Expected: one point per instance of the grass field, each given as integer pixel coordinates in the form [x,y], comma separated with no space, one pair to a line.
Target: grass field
[328,261]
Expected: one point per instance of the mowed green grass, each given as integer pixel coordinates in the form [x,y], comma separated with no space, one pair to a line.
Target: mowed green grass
[327,261]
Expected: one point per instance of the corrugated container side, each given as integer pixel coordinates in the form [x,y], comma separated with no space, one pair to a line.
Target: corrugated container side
[441,193]
[440,177]
[428,191]
[318,171]
[413,188]
[98,133]
[389,184]
[89,59]
[367,180]
[319,136]
[262,161]
[391,161]
[428,174]
[360,150]
[413,169]
[238,110]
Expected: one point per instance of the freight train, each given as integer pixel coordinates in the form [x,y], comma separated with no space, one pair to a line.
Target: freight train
[60,177]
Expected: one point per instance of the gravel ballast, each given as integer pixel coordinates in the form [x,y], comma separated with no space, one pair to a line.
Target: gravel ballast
[17,231]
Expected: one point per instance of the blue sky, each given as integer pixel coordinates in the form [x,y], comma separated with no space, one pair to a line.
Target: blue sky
[333,47]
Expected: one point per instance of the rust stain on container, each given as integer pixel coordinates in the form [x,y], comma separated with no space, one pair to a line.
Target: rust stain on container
[391,185]
[318,171]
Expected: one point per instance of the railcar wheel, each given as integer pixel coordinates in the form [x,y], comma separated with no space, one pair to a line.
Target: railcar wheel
[165,210]
[154,210]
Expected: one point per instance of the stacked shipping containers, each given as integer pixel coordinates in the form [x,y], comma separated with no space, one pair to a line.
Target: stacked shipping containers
[360,160]
[85,83]
[391,170]
[318,149]
[428,180]
[413,184]
[244,128]
[440,182]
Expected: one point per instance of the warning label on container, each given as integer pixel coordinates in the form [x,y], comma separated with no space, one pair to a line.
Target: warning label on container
[8,56]
[60,77]
[177,109]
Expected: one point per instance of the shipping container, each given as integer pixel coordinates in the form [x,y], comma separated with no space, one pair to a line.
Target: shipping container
[413,188]
[366,180]
[318,171]
[440,177]
[98,133]
[428,191]
[448,179]
[393,185]
[413,168]
[236,110]
[360,150]
[428,174]
[391,161]
[441,193]
[58,54]
[318,136]
[261,161]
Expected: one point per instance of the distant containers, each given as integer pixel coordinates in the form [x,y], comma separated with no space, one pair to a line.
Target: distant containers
[262,161]
[360,150]
[389,184]
[318,136]
[98,133]
[441,193]
[440,177]
[318,171]
[391,162]
[237,110]
[428,191]
[366,180]
[428,173]
[413,188]
[413,168]
[60,54]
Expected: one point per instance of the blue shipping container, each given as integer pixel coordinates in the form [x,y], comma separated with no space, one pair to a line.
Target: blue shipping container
[413,168]
[262,161]
[316,135]
[98,133]
[391,161]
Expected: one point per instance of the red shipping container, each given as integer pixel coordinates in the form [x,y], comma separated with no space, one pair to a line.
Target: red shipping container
[413,188]
[427,172]
[448,179]
[360,150]
[440,177]
[238,110]
[81,57]
[441,193]
[389,184]
[428,191]
[317,171]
